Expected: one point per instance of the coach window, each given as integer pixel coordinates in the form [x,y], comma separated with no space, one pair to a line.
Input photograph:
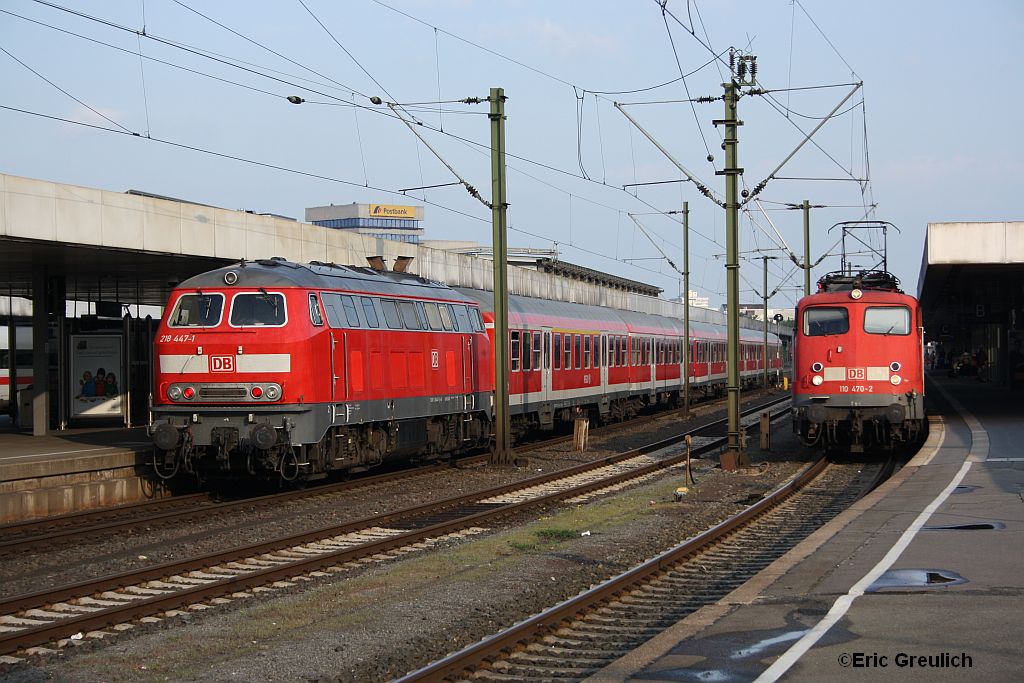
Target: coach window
[515,350]
[597,352]
[586,351]
[447,319]
[315,316]
[821,321]
[258,309]
[612,341]
[527,340]
[433,316]
[536,350]
[197,310]
[887,320]
[369,312]
[558,351]
[391,316]
[351,315]
[547,350]
[577,348]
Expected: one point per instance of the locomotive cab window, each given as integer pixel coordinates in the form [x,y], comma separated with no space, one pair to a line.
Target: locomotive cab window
[887,320]
[822,321]
[197,310]
[315,316]
[258,309]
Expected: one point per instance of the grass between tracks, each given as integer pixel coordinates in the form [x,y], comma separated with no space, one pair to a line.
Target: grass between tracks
[332,611]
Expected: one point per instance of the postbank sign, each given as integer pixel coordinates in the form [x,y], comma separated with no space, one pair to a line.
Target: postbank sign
[392,211]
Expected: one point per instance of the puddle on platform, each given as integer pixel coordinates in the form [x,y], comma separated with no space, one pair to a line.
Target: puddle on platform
[966,488]
[759,647]
[973,526]
[916,578]
[742,656]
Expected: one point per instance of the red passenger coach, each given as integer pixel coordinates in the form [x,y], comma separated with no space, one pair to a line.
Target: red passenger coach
[279,370]
[569,360]
[858,370]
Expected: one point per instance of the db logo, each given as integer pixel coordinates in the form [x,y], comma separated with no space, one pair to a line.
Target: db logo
[856,373]
[222,363]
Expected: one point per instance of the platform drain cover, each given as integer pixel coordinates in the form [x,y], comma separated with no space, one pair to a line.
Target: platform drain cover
[973,526]
[916,578]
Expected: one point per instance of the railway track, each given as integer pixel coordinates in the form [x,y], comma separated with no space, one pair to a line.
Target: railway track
[575,639]
[87,608]
[37,535]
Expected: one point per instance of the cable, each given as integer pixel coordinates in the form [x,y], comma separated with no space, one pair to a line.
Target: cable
[345,50]
[57,87]
[262,46]
[686,87]
[232,157]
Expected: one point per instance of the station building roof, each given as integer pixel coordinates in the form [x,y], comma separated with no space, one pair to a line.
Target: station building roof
[971,274]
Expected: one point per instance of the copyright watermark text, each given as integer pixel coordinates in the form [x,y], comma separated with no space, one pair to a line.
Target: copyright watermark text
[906,660]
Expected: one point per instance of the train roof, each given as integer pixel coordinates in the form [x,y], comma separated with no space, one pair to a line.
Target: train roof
[566,314]
[277,272]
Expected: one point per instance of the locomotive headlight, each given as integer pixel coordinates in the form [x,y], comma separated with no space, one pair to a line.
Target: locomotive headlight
[230,277]
[895,366]
[816,367]
[188,393]
[174,393]
[895,379]
[817,380]
[273,392]
[856,294]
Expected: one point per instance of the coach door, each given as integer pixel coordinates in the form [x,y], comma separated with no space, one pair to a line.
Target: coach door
[652,361]
[545,365]
[604,361]
[469,387]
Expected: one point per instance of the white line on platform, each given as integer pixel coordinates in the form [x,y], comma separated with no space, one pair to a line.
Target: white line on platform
[842,605]
[80,450]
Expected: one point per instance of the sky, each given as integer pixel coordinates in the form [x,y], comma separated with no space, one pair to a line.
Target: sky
[152,95]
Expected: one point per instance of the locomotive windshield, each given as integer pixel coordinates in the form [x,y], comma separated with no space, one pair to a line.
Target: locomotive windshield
[887,320]
[197,310]
[257,309]
[821,321]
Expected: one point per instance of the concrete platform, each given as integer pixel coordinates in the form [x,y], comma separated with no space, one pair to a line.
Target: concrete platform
[73,470]
[838,608]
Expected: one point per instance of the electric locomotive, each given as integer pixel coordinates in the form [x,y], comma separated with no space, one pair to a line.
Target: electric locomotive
[858,364]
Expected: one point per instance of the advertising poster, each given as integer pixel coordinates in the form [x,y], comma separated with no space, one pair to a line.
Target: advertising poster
[96,375]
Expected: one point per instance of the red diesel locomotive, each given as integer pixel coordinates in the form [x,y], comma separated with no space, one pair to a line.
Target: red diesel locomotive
[273,369]
[858,364]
